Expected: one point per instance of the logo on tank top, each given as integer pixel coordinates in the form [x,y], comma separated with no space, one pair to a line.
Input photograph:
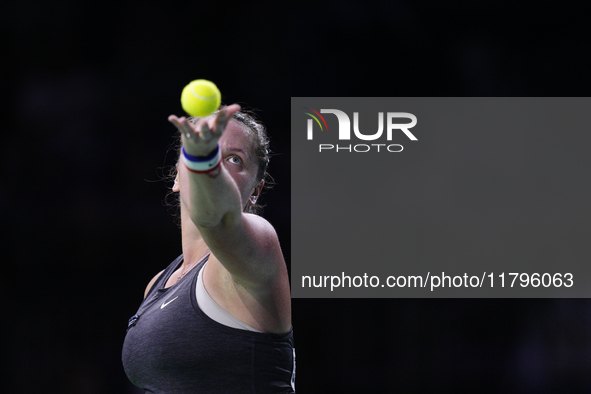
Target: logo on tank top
[166,303]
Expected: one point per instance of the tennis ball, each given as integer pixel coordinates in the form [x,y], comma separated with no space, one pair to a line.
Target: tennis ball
[201,98]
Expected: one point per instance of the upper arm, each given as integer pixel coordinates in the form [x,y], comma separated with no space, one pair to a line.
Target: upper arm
[248,247]
[154,279]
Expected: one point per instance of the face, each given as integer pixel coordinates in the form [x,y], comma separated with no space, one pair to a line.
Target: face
[238,159]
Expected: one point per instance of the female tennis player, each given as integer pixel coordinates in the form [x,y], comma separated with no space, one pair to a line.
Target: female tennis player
[218,318]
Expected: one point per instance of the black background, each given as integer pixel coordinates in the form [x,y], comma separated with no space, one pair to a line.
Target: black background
[87,89]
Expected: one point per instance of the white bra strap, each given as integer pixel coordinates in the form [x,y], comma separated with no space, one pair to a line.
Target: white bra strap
[213,310]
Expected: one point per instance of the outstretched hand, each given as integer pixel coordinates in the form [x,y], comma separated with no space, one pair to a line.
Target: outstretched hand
[202,138]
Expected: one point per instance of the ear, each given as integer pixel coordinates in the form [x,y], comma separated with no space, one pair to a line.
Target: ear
[252,200]
[176,188]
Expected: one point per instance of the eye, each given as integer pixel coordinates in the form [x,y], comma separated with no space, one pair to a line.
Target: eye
[235,160]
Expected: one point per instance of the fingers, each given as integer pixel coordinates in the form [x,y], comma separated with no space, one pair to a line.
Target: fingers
[223,117]
[220,122]
[205,132]
[230,109]
[206,129]
[183,126]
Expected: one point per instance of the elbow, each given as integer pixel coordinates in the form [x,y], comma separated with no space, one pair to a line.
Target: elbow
[205,219]
[210,221]
[206,224]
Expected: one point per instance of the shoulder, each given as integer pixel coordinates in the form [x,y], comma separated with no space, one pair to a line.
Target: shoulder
[260,227]
[250,252]
[267,249]
[154,279]
[263,242]
[252,235]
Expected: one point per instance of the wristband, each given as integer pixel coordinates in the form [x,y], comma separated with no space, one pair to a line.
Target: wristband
[202,164]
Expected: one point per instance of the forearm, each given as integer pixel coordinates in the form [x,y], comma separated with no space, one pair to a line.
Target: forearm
[211,200]
[210,194]
[215,191]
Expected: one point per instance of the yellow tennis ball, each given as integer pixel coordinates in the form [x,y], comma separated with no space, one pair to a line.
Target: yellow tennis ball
[201,98]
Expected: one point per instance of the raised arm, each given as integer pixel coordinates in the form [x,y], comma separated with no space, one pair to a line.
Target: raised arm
[215,200]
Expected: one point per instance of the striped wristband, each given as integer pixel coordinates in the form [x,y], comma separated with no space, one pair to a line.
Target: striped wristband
[203,164]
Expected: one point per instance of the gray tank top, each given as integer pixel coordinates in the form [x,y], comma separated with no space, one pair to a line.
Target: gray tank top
[172,346]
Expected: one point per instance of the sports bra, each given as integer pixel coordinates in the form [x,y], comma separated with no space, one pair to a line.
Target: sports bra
[213,310]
